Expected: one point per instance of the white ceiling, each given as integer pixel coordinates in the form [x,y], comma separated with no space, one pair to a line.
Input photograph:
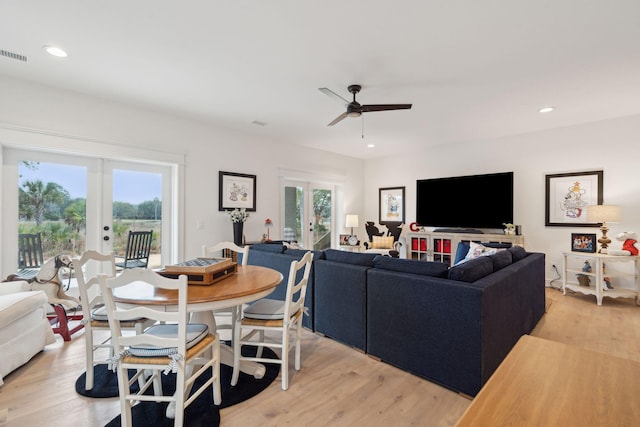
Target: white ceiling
[473,69]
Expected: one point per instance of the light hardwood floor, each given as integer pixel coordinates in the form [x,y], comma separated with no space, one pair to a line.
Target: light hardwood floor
[337,385]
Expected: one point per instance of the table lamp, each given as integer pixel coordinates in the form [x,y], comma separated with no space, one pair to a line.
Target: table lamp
[352,221]
[603,214]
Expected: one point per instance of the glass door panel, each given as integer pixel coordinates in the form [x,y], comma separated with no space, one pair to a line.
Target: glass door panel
[52,201]
[137,206]
[307,214]
[322,214]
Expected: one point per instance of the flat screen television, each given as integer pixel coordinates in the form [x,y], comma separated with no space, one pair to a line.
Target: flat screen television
[474,201]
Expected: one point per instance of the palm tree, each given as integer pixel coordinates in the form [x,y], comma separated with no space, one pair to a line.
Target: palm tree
[36,197]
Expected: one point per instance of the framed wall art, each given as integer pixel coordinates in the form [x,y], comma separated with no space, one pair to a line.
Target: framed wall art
[391,204]
[237,190]
[583,242]
[567,196]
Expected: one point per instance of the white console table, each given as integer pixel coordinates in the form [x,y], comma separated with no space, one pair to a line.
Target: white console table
[573,262]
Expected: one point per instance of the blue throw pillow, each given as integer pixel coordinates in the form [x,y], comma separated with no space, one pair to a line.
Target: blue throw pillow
[268,247]
[432,269]
[500,260]
[345,257]
[517,253]
[472,270]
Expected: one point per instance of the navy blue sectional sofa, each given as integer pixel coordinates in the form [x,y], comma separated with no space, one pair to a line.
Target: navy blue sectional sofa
[452,326]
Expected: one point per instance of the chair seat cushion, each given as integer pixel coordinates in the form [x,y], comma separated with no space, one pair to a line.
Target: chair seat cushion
[195,333]
[267,309]
[100,314]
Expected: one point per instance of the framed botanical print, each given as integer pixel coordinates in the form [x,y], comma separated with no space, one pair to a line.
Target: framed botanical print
[236,191]
[567,196]
[391,204]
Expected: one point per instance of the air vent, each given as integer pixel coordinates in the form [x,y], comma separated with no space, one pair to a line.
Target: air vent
[13,55]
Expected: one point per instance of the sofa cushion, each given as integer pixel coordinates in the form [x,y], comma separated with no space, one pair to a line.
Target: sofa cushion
[276,248]
[299,253]
[15,306]
[517,253]
[463,249]
[500,260]
[350,257]
[471,270]
[432,269]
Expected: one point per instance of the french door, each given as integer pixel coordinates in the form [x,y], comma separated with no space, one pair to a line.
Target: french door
[78,203]
[307,214]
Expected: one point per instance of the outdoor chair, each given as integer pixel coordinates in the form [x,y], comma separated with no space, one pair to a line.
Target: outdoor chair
[221,250]
[86,268]
[187,349]
[282,317]
[136,254]
[30,255]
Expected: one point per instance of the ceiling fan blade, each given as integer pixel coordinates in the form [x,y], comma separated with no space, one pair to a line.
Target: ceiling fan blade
[385,107]
[338,119]
[333,95]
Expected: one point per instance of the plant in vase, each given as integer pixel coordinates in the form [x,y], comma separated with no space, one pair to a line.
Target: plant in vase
[238,218]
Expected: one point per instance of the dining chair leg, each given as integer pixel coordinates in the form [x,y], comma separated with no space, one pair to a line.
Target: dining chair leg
[260,340]
[237,348]
[285,359]
[217,394]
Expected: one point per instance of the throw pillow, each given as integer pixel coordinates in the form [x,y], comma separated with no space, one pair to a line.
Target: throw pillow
[471,271]
[380,242]
[477,250]
[517,252]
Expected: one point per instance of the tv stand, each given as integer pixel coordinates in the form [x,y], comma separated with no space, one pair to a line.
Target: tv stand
[441,246]
[459,230]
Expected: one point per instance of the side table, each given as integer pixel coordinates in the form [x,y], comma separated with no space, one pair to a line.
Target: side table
[573,262]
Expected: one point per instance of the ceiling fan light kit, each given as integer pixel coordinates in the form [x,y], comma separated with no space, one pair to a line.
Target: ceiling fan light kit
[354,108]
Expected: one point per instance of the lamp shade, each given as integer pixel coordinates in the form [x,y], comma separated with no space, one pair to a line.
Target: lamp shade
[352,221]
[603,213]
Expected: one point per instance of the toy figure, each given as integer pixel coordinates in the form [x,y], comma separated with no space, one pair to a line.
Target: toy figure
[583,279]
[628,247]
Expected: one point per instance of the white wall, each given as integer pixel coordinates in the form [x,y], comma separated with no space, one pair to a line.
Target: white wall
[611,146]
[207,149]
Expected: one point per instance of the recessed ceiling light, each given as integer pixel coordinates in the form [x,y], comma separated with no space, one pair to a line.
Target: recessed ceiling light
[546,109]
[55,51]
[370,145]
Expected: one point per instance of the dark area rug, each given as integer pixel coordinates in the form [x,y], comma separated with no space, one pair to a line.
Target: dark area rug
[202,412]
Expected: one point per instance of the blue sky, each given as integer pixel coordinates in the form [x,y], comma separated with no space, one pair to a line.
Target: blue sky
[129,186]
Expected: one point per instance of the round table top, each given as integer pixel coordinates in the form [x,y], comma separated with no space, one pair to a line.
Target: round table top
[249,280]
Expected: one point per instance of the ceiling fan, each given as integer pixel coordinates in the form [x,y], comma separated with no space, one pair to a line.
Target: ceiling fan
[354,109]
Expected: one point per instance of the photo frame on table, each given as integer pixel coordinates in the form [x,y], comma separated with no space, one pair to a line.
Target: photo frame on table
[344,239]
[567,196]
[391,204]
[237,191]
[581,242]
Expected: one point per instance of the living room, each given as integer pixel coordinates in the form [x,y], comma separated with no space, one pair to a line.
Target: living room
[598,130]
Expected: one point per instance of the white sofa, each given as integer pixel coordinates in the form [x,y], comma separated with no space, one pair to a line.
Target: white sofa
[24,328]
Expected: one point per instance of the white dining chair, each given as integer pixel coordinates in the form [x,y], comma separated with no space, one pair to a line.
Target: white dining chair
[96,324]
[283,317]
[242,253]
[172,346]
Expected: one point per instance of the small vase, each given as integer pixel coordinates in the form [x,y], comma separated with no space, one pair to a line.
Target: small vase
[237,233]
